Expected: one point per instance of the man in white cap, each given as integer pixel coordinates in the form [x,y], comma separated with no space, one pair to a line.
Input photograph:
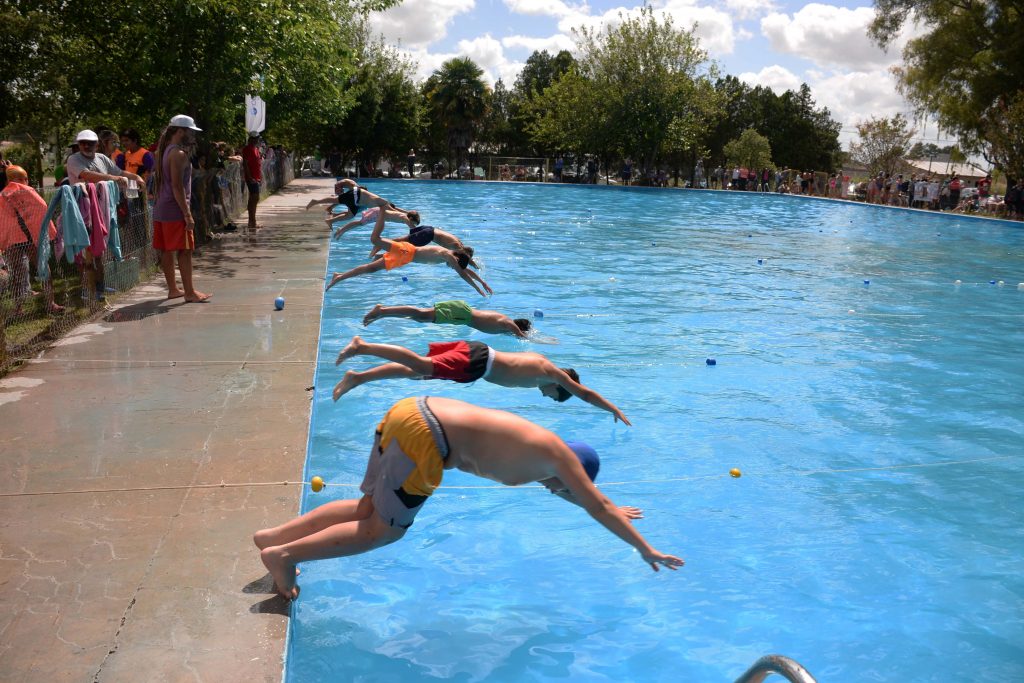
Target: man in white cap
[90,166]
[252,168]
[173,225]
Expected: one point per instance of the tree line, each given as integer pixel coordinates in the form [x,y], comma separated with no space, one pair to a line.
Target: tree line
[643,89]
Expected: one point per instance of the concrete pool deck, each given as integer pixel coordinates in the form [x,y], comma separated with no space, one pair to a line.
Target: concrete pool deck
[163,585]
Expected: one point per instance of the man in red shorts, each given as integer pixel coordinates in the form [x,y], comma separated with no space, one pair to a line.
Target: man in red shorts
[468,361]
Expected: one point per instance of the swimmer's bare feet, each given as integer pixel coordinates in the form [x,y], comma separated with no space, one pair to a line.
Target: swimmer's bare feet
[372,315]
[353,348]
[335,280]
[197,297]
[349,382]
[175,294]
[282,569]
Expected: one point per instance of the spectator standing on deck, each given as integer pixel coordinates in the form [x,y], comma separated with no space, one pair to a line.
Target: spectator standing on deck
[173,225]
[252,169]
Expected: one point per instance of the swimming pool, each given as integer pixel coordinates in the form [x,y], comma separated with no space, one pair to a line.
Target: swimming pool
[850,543]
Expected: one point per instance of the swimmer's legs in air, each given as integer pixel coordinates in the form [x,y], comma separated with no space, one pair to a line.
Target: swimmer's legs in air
[353,378]
[371,267]
[337,529]
[422,315]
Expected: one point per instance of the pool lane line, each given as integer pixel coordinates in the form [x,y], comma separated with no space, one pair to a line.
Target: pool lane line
[504,487]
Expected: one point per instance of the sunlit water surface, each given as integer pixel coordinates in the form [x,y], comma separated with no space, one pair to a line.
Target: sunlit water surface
[849,543]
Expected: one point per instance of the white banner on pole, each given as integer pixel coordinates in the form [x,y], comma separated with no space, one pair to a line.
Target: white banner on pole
[255,113]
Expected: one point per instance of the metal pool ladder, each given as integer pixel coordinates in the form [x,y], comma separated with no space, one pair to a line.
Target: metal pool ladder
[776,664]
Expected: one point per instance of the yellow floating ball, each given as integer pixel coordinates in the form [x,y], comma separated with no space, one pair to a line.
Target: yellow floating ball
[735,472]
[317,484]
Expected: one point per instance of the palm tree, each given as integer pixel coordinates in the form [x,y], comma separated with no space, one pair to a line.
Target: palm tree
[457,96]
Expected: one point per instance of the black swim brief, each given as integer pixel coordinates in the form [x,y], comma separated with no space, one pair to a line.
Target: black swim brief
[421,235]
[350,198]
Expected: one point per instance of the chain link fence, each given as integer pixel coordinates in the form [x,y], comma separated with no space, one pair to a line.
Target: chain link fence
[36,313]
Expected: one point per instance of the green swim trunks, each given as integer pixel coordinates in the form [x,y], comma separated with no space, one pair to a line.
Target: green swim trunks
[452,313]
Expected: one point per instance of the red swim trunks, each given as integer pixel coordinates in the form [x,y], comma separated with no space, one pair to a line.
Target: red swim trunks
[172,236]
[459,361]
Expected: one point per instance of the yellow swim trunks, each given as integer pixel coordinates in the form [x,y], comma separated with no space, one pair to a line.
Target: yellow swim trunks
[407,461]
[398,255]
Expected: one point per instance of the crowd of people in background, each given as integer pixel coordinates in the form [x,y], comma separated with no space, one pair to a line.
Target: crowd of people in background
[131,173]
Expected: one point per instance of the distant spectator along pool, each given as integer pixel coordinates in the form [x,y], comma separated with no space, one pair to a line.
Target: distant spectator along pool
[873,406]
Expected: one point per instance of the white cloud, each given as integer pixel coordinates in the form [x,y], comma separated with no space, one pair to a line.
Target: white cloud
[418,23]
[744,9]
[829,36]
[778,78]
[485,51]
[853,96]
[714,27]
[545,8]
[553,44]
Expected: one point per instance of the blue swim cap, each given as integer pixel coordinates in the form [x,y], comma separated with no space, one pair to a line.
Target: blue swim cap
[588,458]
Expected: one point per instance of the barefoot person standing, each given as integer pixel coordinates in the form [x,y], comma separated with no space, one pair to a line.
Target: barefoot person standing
[173,226]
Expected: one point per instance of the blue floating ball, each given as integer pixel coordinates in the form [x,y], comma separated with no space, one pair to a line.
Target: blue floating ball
[405,278]
[867,282]
[711,361]
[538,313]
[991,282]
[279,303]
[760,261]
[654,244]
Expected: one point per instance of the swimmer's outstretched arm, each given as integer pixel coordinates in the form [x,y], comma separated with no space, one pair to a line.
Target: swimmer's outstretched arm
[480,280]
[584,393]
[509,326]
[467,275]
[589,497]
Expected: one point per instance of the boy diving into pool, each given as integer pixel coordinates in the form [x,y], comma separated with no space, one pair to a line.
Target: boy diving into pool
[415,443]
[422,235]
[468,361]
[400,253]
[410,220]
[353,197]
[454,313]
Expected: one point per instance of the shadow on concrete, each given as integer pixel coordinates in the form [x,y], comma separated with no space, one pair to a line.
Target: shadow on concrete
[273,605]
[264,584]
[139,311]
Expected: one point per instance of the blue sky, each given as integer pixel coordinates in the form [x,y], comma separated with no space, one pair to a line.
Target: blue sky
[771,43]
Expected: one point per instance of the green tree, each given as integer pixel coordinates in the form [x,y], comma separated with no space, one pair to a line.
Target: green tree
[570,116]
[644,72]
[385,119]
[497,133]
[201,57]
[883,143]
[457,99]
[539,73]
[801,135]
[750,149]
[965,67]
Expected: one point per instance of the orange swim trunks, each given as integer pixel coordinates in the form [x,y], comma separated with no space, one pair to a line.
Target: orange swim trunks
[398,255]
[172,236]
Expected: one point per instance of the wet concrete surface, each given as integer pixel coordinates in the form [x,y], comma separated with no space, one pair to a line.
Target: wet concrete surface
[163,585]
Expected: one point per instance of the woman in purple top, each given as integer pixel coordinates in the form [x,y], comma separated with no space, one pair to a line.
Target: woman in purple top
[173,225]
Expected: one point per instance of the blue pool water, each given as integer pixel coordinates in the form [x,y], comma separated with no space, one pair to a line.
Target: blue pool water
[847,544]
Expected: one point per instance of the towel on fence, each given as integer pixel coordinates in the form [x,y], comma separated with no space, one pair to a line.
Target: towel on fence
[76,237]
[98,233]
[109,195]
